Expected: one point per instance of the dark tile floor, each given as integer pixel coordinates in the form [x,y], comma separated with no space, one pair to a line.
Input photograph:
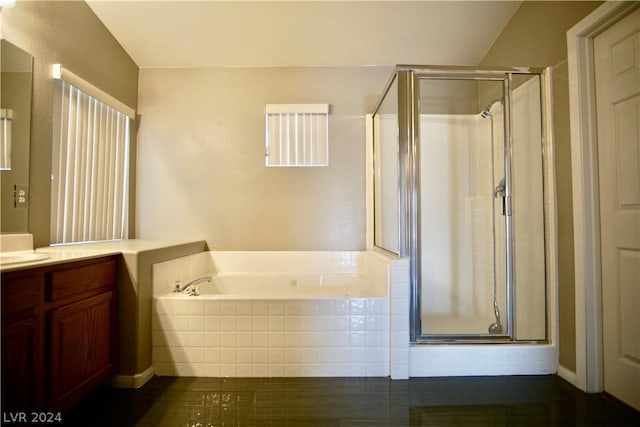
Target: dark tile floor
[467,401]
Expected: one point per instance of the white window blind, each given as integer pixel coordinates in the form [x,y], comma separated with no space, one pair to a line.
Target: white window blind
[90,168]
[297,135]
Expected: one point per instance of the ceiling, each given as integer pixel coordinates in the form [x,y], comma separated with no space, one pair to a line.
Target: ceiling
[179,33]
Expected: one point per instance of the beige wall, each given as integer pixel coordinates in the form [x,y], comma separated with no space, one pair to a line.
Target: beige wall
[69,33]
[536,36]
[202,174]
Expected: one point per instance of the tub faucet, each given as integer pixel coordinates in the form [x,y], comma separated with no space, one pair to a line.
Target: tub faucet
[190,287]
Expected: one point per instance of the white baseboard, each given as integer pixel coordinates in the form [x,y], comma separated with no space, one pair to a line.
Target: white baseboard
[568,375]
[132,381]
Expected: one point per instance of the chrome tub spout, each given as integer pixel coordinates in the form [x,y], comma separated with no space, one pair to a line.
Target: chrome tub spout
[190,288]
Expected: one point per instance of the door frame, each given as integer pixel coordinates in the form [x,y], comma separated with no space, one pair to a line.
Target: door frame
[589,374]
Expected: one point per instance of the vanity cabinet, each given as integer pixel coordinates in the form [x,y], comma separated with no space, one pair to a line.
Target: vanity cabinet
[22,341]
[58,333]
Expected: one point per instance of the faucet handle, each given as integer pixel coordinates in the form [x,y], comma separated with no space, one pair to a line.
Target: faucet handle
[177,286]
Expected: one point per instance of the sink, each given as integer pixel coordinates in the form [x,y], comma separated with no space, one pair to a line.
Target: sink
[20,257]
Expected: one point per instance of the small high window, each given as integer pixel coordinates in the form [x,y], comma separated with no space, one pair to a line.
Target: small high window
[297,135]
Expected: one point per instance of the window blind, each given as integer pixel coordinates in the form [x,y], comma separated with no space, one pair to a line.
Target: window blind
[297,135]
[90,168]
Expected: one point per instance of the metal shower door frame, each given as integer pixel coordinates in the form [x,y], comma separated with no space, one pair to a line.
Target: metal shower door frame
[408,78]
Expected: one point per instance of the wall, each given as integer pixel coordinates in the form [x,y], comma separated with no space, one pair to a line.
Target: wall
[536,36]
[69,33]
[203,176]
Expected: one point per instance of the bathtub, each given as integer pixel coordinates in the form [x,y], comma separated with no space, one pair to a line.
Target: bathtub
[276,314]
[283,286]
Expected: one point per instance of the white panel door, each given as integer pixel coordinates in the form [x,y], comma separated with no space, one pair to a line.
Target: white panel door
[617,66]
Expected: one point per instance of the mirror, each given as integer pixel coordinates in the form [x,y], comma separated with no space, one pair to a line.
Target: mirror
[15,125]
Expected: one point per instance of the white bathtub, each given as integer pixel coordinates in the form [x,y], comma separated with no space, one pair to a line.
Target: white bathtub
[287,286]
[274,314]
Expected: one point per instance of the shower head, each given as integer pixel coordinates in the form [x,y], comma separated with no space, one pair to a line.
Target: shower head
[485,113]
[487,110]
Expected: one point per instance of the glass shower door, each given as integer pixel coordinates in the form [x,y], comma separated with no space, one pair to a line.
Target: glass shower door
[464,218]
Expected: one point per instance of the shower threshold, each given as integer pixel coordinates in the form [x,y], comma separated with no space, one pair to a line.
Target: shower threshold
[475,339]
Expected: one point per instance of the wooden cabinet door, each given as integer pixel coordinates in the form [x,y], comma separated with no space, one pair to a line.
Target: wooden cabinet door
[22,365]
[82,348]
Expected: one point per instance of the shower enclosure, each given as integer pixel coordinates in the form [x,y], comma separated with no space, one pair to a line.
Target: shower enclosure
[463,188]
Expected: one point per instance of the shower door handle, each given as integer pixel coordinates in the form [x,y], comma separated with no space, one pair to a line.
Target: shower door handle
[506,206]
[500,191]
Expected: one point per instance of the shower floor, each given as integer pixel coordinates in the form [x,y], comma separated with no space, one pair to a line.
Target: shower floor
[444,325]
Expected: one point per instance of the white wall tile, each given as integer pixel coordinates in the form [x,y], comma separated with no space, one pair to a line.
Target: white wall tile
[245,339]
[245,355]
[357,324]
[213,339]
[196,339]
[293,323]
[293,370]
[261,355]
[276,355]
[229,340]
[357,339]
[195,355]
[213,323]
[244,308]
[293,307]
[228,355]
[212,355]
[293,355]
[276,323]
[245,370]
[181,306]
[261,308]
[197,323]
[276,370]
[197,307]
[276,308]
[228,308]
[212,307]
[309,355]
[261,339]
[357,306]
[277,339]
[244,323]
[341,307]
[228,370]
[229,323]
[261,370]
[293,339]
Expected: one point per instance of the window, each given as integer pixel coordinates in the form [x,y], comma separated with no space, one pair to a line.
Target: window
[90,164]
[297,135]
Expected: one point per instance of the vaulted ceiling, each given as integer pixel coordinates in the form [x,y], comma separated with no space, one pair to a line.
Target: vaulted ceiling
[205,33]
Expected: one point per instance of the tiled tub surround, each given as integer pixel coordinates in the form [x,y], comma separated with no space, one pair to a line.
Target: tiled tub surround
[302,335]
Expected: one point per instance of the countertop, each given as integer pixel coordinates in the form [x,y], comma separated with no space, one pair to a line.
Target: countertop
[80,251]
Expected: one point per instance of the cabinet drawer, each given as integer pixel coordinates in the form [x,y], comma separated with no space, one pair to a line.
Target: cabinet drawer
[96,277]
[22,293]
